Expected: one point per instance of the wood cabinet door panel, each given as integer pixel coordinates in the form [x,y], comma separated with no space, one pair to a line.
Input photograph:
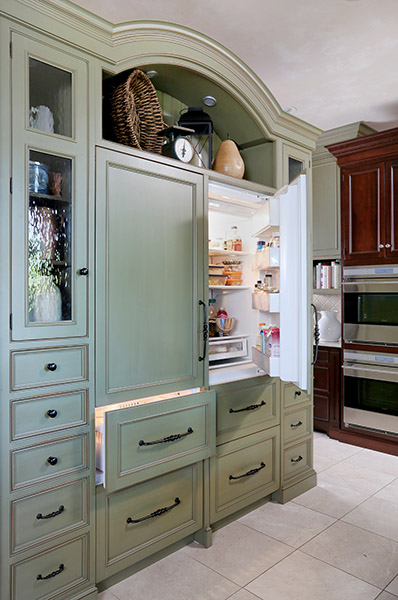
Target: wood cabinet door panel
[363,210]
[391,209]
[150,250]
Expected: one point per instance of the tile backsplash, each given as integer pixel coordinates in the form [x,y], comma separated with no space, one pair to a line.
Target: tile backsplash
[328,302]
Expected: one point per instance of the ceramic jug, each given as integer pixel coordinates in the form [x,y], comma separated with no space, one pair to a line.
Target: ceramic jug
[329,326]
[41,117]
[47,305]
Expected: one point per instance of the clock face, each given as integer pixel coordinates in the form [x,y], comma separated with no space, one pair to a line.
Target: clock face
[183,149]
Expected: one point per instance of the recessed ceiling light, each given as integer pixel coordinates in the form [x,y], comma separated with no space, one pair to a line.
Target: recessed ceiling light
[151,74]
[209,101]
[290,109]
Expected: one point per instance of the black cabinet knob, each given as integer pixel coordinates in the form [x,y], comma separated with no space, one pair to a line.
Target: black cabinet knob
[52,460]
[83,271]
[51,367]
[52,413]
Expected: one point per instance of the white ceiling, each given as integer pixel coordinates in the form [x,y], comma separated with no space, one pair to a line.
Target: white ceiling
[335,61]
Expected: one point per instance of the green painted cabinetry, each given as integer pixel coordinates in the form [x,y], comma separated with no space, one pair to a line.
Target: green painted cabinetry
[150,256]
[49,190]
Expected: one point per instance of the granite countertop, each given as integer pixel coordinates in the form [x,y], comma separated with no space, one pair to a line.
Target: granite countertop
[330,344]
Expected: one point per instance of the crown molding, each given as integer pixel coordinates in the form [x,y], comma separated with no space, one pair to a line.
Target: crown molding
[165,42]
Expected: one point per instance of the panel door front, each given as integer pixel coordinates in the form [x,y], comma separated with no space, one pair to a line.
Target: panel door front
[391,209]
[150,249]
[49,192]
[363,218]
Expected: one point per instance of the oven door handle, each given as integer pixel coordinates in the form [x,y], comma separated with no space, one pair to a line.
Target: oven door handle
[367,286]
[366,372]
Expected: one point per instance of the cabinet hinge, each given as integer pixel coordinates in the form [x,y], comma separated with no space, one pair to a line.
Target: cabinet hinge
[10,185]
[11,321]
[10,49]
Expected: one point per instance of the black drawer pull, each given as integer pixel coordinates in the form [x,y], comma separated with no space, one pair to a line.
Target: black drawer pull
[170,438]
[298,393]
[83,271]
[53,514]
[294,425]
[251,407]
[52,413]
[251,472]
[52,460]
[156,513]
[296,460]
[51,575]
[51,367]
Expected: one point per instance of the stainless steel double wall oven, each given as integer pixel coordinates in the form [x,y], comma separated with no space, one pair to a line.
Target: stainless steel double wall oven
[370,309]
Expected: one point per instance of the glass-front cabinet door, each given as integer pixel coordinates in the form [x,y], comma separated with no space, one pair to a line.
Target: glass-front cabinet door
[295,161]
[49,192]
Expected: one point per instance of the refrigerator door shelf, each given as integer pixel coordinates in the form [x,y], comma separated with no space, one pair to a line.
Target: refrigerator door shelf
[268,364]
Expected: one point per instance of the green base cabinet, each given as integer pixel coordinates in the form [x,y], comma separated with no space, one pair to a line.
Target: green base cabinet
[242,472]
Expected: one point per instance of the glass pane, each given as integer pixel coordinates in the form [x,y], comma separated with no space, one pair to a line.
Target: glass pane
[50,98]
[371,394]
[371,309]
[295,168]
[49,238]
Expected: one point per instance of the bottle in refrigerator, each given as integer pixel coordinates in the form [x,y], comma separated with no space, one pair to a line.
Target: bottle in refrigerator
[260,337]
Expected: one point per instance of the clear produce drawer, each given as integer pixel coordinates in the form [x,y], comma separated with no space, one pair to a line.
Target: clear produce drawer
[224,348]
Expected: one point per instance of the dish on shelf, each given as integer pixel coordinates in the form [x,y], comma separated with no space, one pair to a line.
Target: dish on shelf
[217,279]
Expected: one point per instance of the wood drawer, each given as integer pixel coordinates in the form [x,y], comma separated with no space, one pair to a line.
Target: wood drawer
[244,471]
[246,407]
[67,564]
[292,395]
[41,517]
[297,459]
[48,460]
[34,416]
[145,441]
[50,366]
[297,424]
[165,509]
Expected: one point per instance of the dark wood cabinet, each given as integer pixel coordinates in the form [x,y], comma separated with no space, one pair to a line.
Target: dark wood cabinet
[327,388]
[369,190]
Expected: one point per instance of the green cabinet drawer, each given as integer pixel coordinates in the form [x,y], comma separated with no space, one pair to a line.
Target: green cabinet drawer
[51,573]
[49,366]
[292,395]
[144,441]
[297,459]
[38,518]
[297,424]
[244,471]
[246,407]
[149,516]
[34,416]
[46,461]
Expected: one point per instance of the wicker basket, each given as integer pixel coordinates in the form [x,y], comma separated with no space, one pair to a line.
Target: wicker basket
[136,113]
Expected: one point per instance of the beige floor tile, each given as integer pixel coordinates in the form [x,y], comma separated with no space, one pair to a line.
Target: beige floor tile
[361,553]
[393,587]
[376,515]
[325,446]
[390,492]
[176,577]
[377,461]
[302,577]
[289,523]
[356,478]
[233,542]
[107,595]
[243,595]
[386,596]
[321,463]
[330,499]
